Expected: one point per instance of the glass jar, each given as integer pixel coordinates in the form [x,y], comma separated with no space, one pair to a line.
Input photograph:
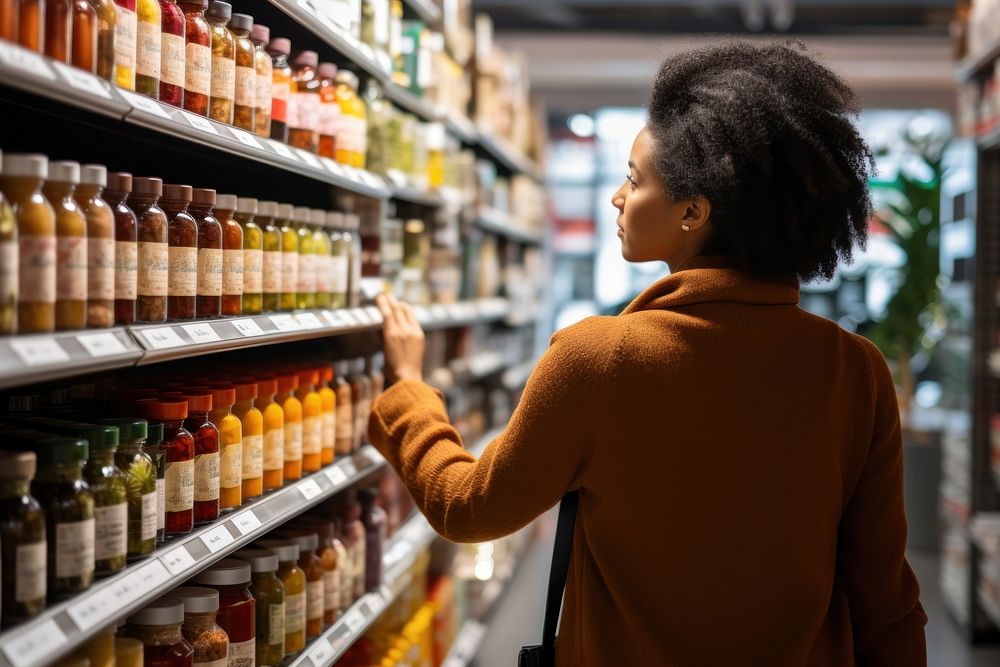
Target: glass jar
[281,87]
[339,259]
[294,580]
[84,36]
[292,408]
[260,35]
[100,650]
[178,463]
[321,263]
[58,30]
[172,53]
[375,521]
[147,48]
[305,295]
[197,56]
[303,105]
[71,246]
[232,255]
[126,252]
[269,594]
[230,447]
[153,255]
[328,417]
[200,629]
[140,485]
[329,110]
[206,456]
[100,245]
[128,652]
[337,581]
[361,390]
[379,112]
[246,73]
[22,539]
[126,26]
[352,534]
[31,24]
[352,139]
[345,411]
[312,566]
[109,488]
[289,257]
[182,235]
[252,423]
[271,273]
[231,578]
[209,302]
[312,421]
[253,255]
[158,627]
[157,451]
[106,18]
[274,433]
[220,105]
[8,263]
[352,235]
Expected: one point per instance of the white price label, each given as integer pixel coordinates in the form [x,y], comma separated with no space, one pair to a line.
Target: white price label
[310,489]
[248,328]
[332,166]
[285,323]
[439,312]
[94,609]
[162,338]
[347,318]
[336,475]
[281,149]
[143,103]
[422,314]
[199,122]
[354,620]
[31,647]
[246,522]
[178,560]
[81,80]
[367,51]
[309,321]
[349,468]
[322,653]
[15,57]
[384,60]
[361,316]
[245,138]
[39,351]
[454,311]
[217,538]
[201,333]
[309,158]
[351,173]
[101,344]
[369,178]
[374,314]
[330,318]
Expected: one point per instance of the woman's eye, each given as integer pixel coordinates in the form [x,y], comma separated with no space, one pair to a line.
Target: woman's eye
[631,181]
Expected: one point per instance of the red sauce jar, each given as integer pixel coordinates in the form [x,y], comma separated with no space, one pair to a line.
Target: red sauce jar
[179,462]
[198,56]
[172,48]
[158,627]
[126,252]
[206,456]
[182,239]
[209,301]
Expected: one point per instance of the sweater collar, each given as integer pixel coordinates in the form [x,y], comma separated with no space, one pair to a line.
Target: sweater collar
[713,279]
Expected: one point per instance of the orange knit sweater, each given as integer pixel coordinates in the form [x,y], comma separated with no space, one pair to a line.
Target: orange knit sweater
[740,468]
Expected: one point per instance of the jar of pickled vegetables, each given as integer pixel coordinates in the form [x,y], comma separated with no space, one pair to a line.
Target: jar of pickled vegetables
[140,484]
[22,539]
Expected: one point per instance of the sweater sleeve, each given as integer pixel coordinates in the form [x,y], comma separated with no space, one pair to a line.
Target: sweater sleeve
[524,471]
[883,593]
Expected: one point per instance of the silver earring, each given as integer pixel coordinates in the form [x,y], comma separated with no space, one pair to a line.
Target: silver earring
[685,228]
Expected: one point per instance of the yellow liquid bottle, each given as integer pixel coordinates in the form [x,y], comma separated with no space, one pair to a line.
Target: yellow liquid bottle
[328,417]
[294,580]
[305,294]
[274,433]
[312,421]
[71,246]
[287,384]
[323,249]
[252,421]
[230,447]
[289,258]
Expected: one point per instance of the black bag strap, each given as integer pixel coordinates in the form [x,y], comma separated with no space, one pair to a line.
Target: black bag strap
[557,575]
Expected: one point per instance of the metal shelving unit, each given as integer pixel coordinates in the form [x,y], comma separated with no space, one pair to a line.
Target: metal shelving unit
[498,222]
[427,10]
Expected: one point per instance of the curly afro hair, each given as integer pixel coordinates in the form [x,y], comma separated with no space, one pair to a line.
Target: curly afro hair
[766,134]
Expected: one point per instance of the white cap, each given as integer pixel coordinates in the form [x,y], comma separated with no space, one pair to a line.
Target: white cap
[352,221]
[246,205]
[317,217]
[64,171]
[94,174]
[435,136]
[197,599]
[335,219]
[268,209]
[225,202]
[300,214]
[284,211]
[26,164]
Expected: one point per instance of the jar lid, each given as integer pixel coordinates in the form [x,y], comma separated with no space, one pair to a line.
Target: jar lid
[260,33]
[64,171]
[129,428]
[34,165]
[268,209]
[165,410]
[223,395]
[307,542]
[306,59]
[241,22]
[246,205]
[288,382]
[335,219]
[18,465]
[94,174]
[317,217]
[227,572]
[226,202]
[267,387]
[144,185]
[280,45]
[154,435]
[308,376]
[327,71]
[246,389]
[300,214]
[100,437]
[285,550]
[120,181]
[261,560]
[285,211]
[352,221]
[57,450]
[200,401]
[348,78]
[176,192]
[219,10]
[206,195]
[197,599]
[165,611]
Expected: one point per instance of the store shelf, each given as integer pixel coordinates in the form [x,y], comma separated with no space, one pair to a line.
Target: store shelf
[416,196]
[66,625]
[973,65]
[462,313]
[460,126]
[466,645]
[498,222]
[506,154]
[427,10]
[40,357]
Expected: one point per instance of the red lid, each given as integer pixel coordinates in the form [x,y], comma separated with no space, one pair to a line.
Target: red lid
[288,383]
[267,387]
[308,377]
[326,373]
[223,395]
[204,196]
[246,389]
[164,410]
[199,402]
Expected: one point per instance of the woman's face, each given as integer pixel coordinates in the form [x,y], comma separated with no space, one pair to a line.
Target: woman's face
[649,220]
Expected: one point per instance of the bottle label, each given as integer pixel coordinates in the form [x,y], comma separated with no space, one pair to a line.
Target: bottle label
[110,531]
[148,50]
[241,654]
[126,262]
[30,572]
[293,441]
[178,482]
[231,472]
[8,272]
[272,272]
[274,449]
[338,274]
[289,271]
[246,86]
[223,77]
[147,530]
[345,420]
[183,272]
[71,271]
[253,271]
[322,268]
[125,40]
[307,274]
[329,420]
[232,271]
[209,272]
[262,91]
[303,111]
[172,52]
[295,613]
[331,589]
[276,627]
[36,276]
[253,456]
[197,68]
[75,548]
[206,477]
[314,599]
[280,92]
[329,117]
[161,503]
[153,262]
[312,435]
[101,269]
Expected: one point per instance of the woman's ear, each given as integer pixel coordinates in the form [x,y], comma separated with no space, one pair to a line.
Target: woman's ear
[697,213]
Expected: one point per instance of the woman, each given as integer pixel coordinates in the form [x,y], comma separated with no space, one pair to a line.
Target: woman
[738,459]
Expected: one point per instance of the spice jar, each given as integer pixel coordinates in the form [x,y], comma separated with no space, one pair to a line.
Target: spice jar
[172,47]
[71,246]
[336,575]
[153,255]
[8,265]
[126,251]
[312,566]
[106,19]
[375,521]
[303,105]
[22,540]
[157,450]
[220,105]
[305,296]
[230,446]
[271,274]
[83,37]
[108,486]
[312,420]
[339,259]
[58,30]
[253,255]
[274,433]
[158,627]
[351,140]
[322,264]
[147,49]
[292,407]
[294,580]
[260,35]
[289,257]
[209,303]
[246,73]
[22,179]
[281,86]
[269,594]
[100,245]
[140,486]
[200,629]
[329,110]
[252,422]
[126,23]
[178,468]
[231,578]
[197,56]
[232,255]
[345,411]
[182,276]
[206,456]
[328,416]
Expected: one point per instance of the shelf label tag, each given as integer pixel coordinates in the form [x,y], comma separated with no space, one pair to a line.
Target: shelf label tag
[285,323]
[422,314]
[101,344]
[201,333]
[361,316]
[350,172]
[92,609]
[162,338]
[367,51]
[336,475]
[454,311]
[310,489]
[217,538]
[349,468]
[438,312]
[347,318]
[322,653]
[374,314]
[81,80]
[39,351]
[246,522]
[245,138]
[309,158]
[143,103]
[177,561]
[95,608]
[281,149]
[199,122]
[16,57]
[332,166]
[354,620]
[384,61]
[330,318]
[248,328]
[309,321]
[31,647]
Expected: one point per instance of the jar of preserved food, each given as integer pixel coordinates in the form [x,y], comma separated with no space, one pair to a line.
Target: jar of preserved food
[246,74]
[361,390]
[182,275]
[108,486]
[312,420]
[106,19]
[100,650]
[126,251]
[294,580]
[230,446]
[328,417]
[274,433]
[153,254]
[178,467]
[71,245]
[260,35]
[128,652]
[292,407]
[352,534]
[22,539]
[336,575]
[281,86]
[100,245]
[58,30]
[321,262]
[303,105]
[172,48]
[312,566]
[209,303]
[339,259]
[253,255]
[252,423]
[329,110]
[158,627]
[206,456]
[289,257]
[147,49]
[305,296]
[269,594]
[232,255]
[200,629]
[231,578]
[345,411]
[220,105]
[140,487]
[126,27]
[83,38]
[157,451]
[197,56]
[271,274]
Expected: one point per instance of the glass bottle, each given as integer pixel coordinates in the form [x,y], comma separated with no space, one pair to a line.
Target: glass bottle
[147,48]
[292,407]
[182,276]
[378,116]
[22,538]
[209,641]
[281,86]
[8,20]
[100,245]
[230,447]
[252,428]
[231,577]
[339,259]
[153,256]
[232,255]
[312,420]
[294,580]
[126,250]
[128,652]
[351,140]
[269,593]
[107,16]
[172,53]
[272,267]
[361,390]
[303,105]
[178,468]
[289,257]
[140,486]
[209,302]
[8,264]
[58,29]
[374,519]
[126,27]
[260,35]
[84,36]
[396,35]
[108,486]
[197,56]
[352,534]
[31,25]
[246,73]
[305,296]
[206,456]
[328,417]
[329,110]
[329,558]
[220,106]
[253,255]
[312,566]
[321,264]
[352,235]
[274,433]
[71,246]
[156,448]
[158,627]
[345,411]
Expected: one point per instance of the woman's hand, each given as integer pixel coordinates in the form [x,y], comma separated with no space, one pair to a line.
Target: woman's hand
[404,339]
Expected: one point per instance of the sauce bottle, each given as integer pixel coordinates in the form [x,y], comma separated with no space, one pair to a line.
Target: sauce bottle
[292,407]
[303,105]
[253,256]
[220,105]
[126,27]
[71,246]
[147,48]
[246,72]
[232,255]
[178,475]
[289,257]
[157,450]
[153,255]
[339,259]
[252,425]
[353,536]
[126,252]
[260,35]
[312,567]
[272,268]
[332,556]
[84,36]
[345,411]
[374,519]
[329,110]
[206,456]
[100,245]
[305,294]
[312,420]
[182,276]
[58,30]
[209,301]
[328,398]
[172,53]
[22,539]
[322,263]
[269,594]
[274,433]
[294,580]
[31,25]
[107,16]
[197,56]
[351,140]
[231,577]
[281,87]
[361,390]
[230,447]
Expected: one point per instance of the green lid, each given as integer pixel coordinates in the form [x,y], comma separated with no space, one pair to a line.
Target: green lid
[100,437]
[57,450]
[154,434]
[130,428]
